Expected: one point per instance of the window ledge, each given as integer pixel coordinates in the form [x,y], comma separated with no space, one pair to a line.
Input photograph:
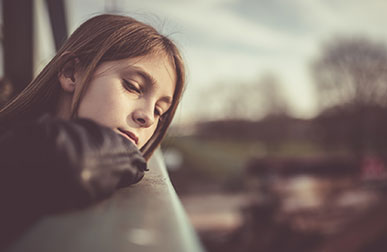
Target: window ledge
[147,216]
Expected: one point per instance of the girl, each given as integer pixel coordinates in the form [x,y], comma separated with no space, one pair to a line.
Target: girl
[86,124]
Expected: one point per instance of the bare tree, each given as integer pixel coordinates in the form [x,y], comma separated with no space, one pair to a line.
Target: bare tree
[273,100]
[352,71]
[351,80]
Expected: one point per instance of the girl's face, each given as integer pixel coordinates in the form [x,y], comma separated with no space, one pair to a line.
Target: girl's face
[130,96]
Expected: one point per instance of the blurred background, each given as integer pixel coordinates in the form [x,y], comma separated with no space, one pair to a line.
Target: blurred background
[280,141]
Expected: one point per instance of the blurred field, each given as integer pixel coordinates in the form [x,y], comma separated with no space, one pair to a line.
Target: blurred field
[220,163]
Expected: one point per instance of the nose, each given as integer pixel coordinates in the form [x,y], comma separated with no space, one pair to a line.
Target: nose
[142,118]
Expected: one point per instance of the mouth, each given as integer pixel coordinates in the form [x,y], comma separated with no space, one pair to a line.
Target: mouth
[131,136]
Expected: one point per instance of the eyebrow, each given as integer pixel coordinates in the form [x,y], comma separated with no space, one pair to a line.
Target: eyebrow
[149,78]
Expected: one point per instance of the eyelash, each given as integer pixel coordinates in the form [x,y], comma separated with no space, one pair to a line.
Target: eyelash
[158,113]
[132,87]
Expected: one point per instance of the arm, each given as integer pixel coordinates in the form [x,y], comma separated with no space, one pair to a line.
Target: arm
[51,165]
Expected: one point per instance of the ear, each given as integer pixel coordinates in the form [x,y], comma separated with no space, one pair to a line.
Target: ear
[67,75]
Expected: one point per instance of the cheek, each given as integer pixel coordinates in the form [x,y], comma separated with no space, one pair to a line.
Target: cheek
[105,110]
[93,111]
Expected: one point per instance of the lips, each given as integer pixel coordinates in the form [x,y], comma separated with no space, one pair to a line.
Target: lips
[131,136]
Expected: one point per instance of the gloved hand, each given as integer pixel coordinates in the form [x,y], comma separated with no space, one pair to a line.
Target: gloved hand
[104,160]
[51,165]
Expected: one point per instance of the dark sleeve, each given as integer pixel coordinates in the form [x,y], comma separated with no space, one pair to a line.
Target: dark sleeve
[52,165]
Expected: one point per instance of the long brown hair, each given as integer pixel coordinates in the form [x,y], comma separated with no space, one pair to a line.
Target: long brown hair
[101,38]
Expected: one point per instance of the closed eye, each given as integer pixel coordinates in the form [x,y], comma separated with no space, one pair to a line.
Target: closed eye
[157,112]
[131,87]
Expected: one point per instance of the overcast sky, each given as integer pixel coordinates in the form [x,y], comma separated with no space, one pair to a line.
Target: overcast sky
[236,41]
